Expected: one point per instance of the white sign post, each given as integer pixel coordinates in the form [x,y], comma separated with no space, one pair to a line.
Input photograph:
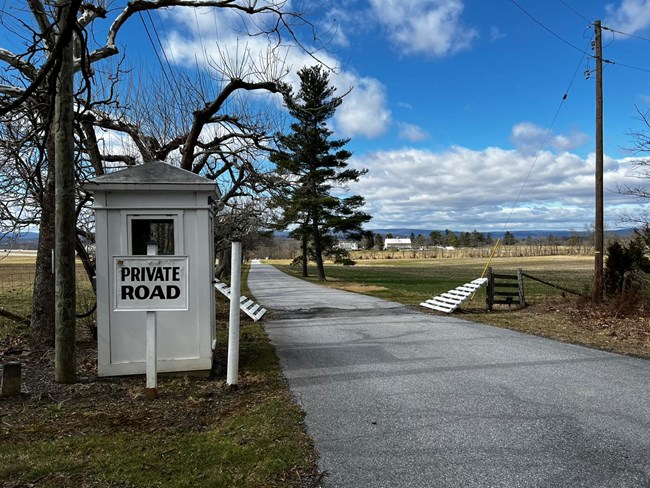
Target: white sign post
[151,283]
[233,327]
[151,388]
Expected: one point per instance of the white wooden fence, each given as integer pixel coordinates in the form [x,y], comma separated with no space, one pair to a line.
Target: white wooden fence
[248,306]
[450,301]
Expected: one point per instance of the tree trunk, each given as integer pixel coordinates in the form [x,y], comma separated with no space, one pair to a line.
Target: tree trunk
[65,367]
[42,318]
[318,249]
[305,254]
[224,263]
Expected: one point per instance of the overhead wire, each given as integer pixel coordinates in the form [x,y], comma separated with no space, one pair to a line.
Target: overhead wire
[625,33]
[539,151]
[546,136]
[609,61]
[575,12]
[162,67]
[549,129]
[164,52]
[568,43]
[530,170]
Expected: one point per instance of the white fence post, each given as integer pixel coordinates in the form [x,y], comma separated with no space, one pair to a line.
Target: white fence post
[233,328]
[151,388]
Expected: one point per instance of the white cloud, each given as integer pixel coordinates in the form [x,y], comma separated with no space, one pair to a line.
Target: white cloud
[630,16]
[495,33]
[363,111]
[424,27]
[528,139]
[210,38]
[463,189]
[116,143]
[412,132]
[333,26]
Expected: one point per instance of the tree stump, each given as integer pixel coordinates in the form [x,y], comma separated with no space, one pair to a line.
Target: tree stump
[11,379]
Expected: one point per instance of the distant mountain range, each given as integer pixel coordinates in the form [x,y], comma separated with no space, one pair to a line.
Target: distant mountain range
[519,234]
[29,240]
[24,240]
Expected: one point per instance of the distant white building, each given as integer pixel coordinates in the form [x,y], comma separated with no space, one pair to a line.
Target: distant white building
[446,248]
[348,245]
[398,243]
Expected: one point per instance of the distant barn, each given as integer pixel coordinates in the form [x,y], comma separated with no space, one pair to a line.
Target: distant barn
[398,243]
[348,245]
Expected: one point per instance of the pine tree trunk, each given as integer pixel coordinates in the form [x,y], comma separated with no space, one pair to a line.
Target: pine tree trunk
[318,249]
[42,318]
[65,367]
[304,253]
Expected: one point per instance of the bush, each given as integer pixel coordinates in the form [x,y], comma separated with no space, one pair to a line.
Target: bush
[624,263]
[340,256]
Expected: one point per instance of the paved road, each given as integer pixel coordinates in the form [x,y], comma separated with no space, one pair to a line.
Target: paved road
[397,398]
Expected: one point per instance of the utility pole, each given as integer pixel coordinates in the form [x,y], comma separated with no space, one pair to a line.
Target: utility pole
[65,364]
[599,224]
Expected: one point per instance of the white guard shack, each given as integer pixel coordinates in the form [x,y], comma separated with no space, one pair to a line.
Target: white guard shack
[175,208]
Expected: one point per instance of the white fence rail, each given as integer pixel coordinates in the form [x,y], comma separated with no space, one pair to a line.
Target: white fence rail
[450,301]
[248,306]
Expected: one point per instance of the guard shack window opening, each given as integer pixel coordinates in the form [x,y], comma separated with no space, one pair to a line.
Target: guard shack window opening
[160,230]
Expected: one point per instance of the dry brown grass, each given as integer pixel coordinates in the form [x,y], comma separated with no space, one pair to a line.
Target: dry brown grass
[358,288]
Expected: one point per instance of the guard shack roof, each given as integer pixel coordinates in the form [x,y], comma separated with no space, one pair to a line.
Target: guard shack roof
[155,176]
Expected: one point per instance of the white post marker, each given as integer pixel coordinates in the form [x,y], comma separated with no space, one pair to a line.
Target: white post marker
[233,327]
[151,388]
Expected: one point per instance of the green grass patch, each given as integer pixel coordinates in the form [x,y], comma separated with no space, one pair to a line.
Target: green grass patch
[413,281]
[252,447]
[206,434]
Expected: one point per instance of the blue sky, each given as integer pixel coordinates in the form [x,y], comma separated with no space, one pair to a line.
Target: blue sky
[469,110]
[451,100]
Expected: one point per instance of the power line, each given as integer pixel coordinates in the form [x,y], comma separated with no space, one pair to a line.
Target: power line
[548,30]
[155,51]
[575,12]
[546,136]
[625,33]
[164,51]
[607,61]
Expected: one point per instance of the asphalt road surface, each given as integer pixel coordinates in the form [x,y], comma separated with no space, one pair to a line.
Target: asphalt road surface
[398,398]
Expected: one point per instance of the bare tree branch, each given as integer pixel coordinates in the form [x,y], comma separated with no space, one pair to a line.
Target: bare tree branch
[202,117]
[17,62]
[53,60]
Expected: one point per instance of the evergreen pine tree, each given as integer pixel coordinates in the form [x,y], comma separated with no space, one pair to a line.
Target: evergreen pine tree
[314,166]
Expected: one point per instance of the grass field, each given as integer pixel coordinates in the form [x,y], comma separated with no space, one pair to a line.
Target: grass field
[412,281]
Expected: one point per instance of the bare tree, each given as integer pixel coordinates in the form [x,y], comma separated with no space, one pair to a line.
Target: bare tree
[209,138]
[641,167]
[246,220]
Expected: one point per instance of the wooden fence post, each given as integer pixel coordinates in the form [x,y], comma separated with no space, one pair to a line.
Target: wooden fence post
[489,295]
[520,282]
